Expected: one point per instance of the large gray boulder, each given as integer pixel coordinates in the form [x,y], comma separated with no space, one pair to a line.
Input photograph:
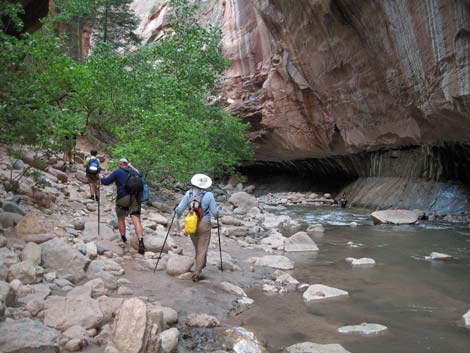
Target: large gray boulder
[62,312]
[32,252]
[394,217]
[26,272]
[59,256]
[300,242]
[178,264]
[309,347]
[9,219]
[28,336]
[243,202]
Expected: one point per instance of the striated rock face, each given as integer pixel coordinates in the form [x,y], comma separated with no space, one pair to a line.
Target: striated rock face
[317,78]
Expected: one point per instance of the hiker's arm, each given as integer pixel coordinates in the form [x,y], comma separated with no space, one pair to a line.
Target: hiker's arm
[213,206]
[182,205]
[109,179]
[134,169]
[85,164]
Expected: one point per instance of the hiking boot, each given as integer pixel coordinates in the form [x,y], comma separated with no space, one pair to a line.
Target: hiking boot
[196,278]
[92,197]
[123,238]
[97,198]
[141,247]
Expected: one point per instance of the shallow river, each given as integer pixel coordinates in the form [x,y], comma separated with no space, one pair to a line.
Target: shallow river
[421,302]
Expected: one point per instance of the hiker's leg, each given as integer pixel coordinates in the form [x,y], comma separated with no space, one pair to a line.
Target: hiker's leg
[122,226]
[94,189]
[138,226]
[203,240]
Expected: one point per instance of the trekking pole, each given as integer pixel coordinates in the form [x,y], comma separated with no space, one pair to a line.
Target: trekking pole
[161,250]
[220,245]
[99,201]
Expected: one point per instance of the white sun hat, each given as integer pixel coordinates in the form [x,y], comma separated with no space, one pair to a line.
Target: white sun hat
[201,181]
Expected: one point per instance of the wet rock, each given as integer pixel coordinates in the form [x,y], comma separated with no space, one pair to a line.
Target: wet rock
[436,256]
[9,219]
[7,294]
[274,261]
[62,313]
[244,341]
[169,340]
[8,257]
[178,265]
[59,256]
[315,228]
[353,224]
[363,329]
[201,320]
[394,217]
[28,336]
[320,292]
[129,327]
[300,242]
[26,272]
[232,288]
[466,319]
[363,261]
[32,252]
[309,347]
[13,207]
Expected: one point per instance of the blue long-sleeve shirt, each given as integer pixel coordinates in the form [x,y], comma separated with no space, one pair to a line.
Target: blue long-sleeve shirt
[119,176]
[208,203]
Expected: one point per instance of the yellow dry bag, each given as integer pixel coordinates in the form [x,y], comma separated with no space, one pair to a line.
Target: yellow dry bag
[190,223]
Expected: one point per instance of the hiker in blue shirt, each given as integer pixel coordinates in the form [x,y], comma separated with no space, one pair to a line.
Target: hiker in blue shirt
[126,204]
[195,197]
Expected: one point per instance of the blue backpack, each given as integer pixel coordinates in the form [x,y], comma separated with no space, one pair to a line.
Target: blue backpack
[93,166]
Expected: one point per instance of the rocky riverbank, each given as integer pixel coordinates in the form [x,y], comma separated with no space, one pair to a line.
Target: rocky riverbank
[64,287]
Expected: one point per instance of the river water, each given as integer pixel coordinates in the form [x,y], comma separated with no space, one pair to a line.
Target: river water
[421,302]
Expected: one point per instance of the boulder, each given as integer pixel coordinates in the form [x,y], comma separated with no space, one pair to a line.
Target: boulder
[37,238]
[394,217]
[466,319]
[178,264]
[285,280]
[59,256]
[154,242]
[290,227]
[363,329]
[243,201]
[74,345]
[8,257]
[231,221]
[92,289]
[34,306]
[90,232]
[320,292]
[9,219]
[309,347]
[232,288]
[213,258]
[13,207]
[29,336]
[91,250]
[274,261]
[244,341]
[106,265]
[26,272]
[437,256]
[62,312]
[58,174]
[169,340]
[34,292]
[158,218]
[201,320]
[7,295]
[300,242]
[76,332]
[107,245]
[275,240]
[32,223]
[32,252]
[109,306]
[363,261]
[130,327]
[235,231]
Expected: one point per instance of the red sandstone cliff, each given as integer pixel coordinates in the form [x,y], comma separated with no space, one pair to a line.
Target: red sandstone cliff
[316,78]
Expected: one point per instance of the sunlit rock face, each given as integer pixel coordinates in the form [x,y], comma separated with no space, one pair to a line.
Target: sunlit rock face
[320,78]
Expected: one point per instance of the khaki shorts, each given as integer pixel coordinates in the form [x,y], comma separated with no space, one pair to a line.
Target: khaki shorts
[92,178]
[127,205]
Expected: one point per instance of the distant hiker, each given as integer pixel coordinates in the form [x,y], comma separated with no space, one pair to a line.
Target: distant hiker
[343,201]
[129,183]
[92,169]
[70,141]
[202,202]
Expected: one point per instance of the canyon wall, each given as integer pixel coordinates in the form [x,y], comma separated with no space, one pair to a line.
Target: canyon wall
[322,78]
